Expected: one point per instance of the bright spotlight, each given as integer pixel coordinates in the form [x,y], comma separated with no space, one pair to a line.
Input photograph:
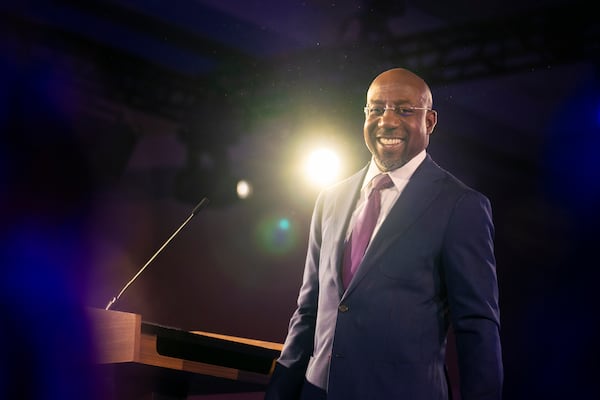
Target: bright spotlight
[244,189]
[322,167]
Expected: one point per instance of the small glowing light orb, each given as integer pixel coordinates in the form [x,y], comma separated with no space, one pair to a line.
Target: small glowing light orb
[284,224]
[276,235]
[244,189]
[322,167]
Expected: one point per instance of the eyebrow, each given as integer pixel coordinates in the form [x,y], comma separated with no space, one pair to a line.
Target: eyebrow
[395,102]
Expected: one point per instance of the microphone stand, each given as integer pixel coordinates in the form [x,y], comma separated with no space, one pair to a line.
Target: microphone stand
[203,203]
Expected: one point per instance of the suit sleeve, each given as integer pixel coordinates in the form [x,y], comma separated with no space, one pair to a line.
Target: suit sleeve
[471,281]
[288,376]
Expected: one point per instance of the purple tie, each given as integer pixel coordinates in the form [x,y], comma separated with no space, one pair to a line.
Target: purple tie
[363,228]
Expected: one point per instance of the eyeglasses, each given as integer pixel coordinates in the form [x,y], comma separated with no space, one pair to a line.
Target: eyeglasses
[403,111]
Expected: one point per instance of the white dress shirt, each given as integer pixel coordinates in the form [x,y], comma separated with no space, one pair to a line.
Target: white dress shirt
[400,177]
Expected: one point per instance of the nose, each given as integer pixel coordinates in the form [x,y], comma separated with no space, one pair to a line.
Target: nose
[389,119]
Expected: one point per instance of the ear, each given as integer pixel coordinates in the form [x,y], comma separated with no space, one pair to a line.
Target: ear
[431,121]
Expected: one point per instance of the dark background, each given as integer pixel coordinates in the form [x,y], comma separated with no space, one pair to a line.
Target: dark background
[117,117]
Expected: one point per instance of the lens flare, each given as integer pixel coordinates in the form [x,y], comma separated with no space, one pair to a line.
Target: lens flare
[277,235]
[244,189]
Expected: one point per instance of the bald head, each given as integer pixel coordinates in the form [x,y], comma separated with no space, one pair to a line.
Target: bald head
[391,79]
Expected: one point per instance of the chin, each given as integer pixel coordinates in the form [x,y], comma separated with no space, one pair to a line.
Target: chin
[389,165]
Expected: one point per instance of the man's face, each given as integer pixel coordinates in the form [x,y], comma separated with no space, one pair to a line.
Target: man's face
[394,137]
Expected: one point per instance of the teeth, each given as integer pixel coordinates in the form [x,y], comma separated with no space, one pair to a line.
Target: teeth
[389,141]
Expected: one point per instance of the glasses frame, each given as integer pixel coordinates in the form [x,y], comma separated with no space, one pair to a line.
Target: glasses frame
[368,109]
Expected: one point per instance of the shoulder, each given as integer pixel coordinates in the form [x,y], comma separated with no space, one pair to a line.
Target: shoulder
[453,184]
[344,187]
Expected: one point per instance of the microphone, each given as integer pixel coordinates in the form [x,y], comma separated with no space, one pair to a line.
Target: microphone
[203,203]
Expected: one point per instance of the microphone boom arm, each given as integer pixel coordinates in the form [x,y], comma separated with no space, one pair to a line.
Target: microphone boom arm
[198,207]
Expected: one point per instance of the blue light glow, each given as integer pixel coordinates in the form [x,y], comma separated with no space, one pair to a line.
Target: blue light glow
[284,224]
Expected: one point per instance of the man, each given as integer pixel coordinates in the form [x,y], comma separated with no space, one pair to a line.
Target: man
[377,328]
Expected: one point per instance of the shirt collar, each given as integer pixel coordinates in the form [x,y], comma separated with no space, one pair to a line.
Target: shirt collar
[399,174]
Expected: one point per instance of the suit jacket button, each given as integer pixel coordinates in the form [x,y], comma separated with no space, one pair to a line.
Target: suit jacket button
[343,308]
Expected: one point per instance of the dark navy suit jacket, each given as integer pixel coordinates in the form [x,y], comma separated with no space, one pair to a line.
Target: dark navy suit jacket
[430,265]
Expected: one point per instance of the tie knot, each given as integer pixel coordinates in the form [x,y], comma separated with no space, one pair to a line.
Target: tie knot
[382,181]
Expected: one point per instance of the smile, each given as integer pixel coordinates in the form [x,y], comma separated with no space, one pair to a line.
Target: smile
[389,141]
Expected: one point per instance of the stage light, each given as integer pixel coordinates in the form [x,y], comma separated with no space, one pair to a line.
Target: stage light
[322,167]
[244,189]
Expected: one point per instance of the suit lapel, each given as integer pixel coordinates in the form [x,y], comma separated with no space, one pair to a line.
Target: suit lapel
[343,206]
[414,200]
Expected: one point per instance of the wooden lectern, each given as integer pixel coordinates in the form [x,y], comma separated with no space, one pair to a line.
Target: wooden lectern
[142,360]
